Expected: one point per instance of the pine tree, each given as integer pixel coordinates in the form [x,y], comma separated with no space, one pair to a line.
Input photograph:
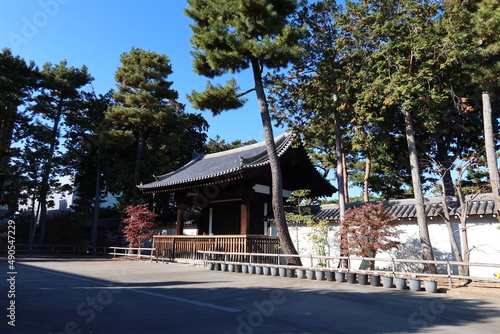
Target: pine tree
[143,92]
[17,80]
[487,29]
[59,97]
[86,141]
[231,36]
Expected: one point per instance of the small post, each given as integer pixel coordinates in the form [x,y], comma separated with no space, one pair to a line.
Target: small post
[448,268]
[172,255]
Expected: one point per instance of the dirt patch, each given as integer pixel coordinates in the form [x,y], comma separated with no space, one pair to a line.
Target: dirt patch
[485,284]
[481,289]
[444,282]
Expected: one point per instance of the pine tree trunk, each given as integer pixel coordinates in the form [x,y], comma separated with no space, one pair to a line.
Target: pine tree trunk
[97,205]
[340,183]
[445,173]
[276,175]
[45,187]
[462,270]
[344,174]
[368,167]
[427,253]
[489,143]
[6,132]
[137,166]
[463,227]
[340,167]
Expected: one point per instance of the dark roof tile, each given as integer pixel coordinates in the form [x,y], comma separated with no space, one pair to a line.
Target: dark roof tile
[477,205]
[208,166]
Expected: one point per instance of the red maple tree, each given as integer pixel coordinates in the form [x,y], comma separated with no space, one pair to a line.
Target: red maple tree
[137,228]
[367,229]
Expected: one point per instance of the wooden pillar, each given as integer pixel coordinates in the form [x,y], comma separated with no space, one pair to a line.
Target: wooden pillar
[245,216]
[180,222]
[210,221]
[265,220]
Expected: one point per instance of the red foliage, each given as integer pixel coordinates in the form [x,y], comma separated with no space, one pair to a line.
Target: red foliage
[136,229]
[367,229]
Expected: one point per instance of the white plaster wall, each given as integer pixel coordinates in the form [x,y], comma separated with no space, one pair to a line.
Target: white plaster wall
[483,237]
[484,243]
[303,243]
[191,230]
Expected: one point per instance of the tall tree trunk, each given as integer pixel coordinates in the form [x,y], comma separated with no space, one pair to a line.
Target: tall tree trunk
[34,220]
[340,181]
[274,163]
[489,144]
[463,225]
[97,205]
[427,253]
[463,270]
[345,175]
[340,166]
[44,189]
[368,167]
[6,132]
[137,166]
[446,162]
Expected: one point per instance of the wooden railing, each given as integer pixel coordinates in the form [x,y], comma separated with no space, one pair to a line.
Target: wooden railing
[136,252]
[170,247]
[58,249]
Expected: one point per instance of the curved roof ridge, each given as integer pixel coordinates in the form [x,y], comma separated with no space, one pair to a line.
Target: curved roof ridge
[194,179]
[206,166]
[241,149]
[282,142]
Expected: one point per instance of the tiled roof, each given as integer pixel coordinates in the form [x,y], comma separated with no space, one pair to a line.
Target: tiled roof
[405,208]
[207,166]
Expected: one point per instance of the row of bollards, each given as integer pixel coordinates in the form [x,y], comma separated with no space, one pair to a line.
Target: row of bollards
[387,281]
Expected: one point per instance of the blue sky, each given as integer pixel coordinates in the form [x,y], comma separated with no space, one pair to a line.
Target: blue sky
[95,33]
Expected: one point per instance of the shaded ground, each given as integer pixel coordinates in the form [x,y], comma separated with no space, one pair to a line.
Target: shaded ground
[65,295]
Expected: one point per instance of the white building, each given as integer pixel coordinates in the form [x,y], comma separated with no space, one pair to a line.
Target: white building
[64,200]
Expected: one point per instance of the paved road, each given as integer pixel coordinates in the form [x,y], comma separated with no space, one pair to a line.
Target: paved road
[64,295]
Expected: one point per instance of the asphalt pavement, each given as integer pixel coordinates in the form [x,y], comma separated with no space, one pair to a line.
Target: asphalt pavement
[88,295]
